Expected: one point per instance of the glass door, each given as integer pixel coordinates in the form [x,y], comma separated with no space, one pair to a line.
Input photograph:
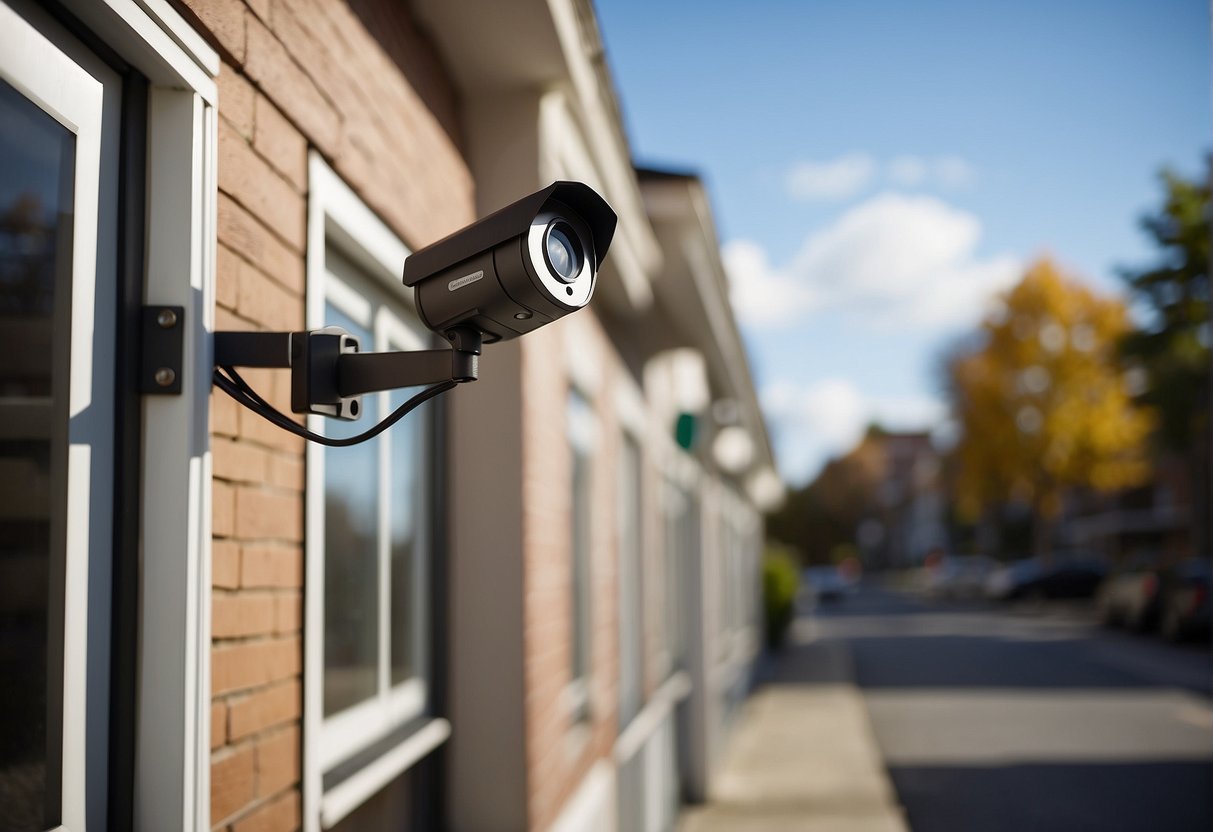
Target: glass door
[57,336]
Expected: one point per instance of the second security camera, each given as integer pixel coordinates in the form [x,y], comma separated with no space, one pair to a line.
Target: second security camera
[524,266]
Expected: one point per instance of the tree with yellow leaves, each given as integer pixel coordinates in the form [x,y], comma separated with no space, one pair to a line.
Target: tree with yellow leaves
[1041,402]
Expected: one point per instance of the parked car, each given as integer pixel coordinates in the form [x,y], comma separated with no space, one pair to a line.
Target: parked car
[1068,578]
[824,583]
[1005,581]
[1131,596]
[1185,606]
[959,577]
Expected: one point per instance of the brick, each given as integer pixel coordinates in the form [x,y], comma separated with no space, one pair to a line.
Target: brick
[280,144]
[288,613]
[285,82]
[273,384]
[225,564]
[250,180]
[261,8]
[236,100]
[238,461]
[223,509]
[307,32]
[224,20]
[243,665]
[286,471]
[277,761]
[247,236]
[267,303]
[265,708]
[266,515]
[282,814]
[271,566]
[226,319]
[218,724]
[232,782]
[256,429]
[242,614]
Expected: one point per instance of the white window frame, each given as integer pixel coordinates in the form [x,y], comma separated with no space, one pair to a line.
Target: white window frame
[337,214]
[629,409]
[582,433]
[172,754]
[53,81]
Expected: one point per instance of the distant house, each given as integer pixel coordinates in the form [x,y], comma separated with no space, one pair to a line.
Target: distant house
[532,604]
[906,518]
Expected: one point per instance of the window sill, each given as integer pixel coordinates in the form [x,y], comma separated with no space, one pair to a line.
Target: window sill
[353,791]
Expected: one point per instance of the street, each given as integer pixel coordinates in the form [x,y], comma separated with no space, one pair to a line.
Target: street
[993,718]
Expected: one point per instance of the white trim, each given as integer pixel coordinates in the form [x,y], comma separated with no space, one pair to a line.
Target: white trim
[155,40]
[191,42]
[349,301]
[583,356]
[592,806]
[360,233]
[629,407]
[395,333]
[173,751]
[172,785]
[352,792]
[55,82]
[633,738]
[344,734]
[338,216]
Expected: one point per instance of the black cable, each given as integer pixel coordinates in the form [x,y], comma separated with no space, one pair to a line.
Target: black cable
[231,382]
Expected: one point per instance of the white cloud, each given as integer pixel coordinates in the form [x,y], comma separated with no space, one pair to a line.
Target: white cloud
[827,418]
[839,178]
[761,295]
[892,261]
[853,173]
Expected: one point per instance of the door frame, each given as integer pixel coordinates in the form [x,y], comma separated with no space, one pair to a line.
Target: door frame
[171,705]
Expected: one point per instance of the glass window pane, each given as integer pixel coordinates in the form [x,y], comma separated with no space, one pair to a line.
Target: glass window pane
[581,428]
[351,557]
[407,461]
[36,182]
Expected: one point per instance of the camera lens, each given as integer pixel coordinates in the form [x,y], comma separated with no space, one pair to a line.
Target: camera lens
[562,251]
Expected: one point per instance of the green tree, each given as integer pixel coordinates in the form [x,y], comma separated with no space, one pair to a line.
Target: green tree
[1042,403]
[1173,344]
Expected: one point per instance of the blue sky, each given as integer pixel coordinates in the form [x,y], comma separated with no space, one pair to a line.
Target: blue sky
[878,169]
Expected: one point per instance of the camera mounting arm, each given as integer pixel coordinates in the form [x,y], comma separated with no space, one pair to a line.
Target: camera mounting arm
[329,374]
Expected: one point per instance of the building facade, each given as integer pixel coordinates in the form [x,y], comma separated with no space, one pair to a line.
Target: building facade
[531,604]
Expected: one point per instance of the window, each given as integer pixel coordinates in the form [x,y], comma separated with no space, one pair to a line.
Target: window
[631,648]
[582,428]
[60,117]
[375,505]
[370,533]
[681,547]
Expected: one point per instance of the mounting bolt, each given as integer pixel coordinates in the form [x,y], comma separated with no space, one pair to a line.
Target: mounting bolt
[164,376]
[166,319]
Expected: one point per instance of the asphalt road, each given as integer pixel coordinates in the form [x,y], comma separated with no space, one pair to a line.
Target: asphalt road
[1030,720]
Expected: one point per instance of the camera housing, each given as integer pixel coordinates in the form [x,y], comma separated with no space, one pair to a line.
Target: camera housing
[521,267]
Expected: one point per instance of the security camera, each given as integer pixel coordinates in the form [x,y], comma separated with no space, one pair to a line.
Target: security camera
[524,266]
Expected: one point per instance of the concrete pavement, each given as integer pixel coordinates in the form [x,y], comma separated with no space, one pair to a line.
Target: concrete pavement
[802,755]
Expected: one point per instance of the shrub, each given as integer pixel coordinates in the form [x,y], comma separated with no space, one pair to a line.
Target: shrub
[780,581]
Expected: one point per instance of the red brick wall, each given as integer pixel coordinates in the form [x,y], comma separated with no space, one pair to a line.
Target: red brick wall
[296,74]
[560,752]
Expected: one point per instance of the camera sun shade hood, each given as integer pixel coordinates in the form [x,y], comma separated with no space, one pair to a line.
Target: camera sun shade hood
[514,220]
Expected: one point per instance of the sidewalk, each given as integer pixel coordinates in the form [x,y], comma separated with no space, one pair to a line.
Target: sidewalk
[801,756]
